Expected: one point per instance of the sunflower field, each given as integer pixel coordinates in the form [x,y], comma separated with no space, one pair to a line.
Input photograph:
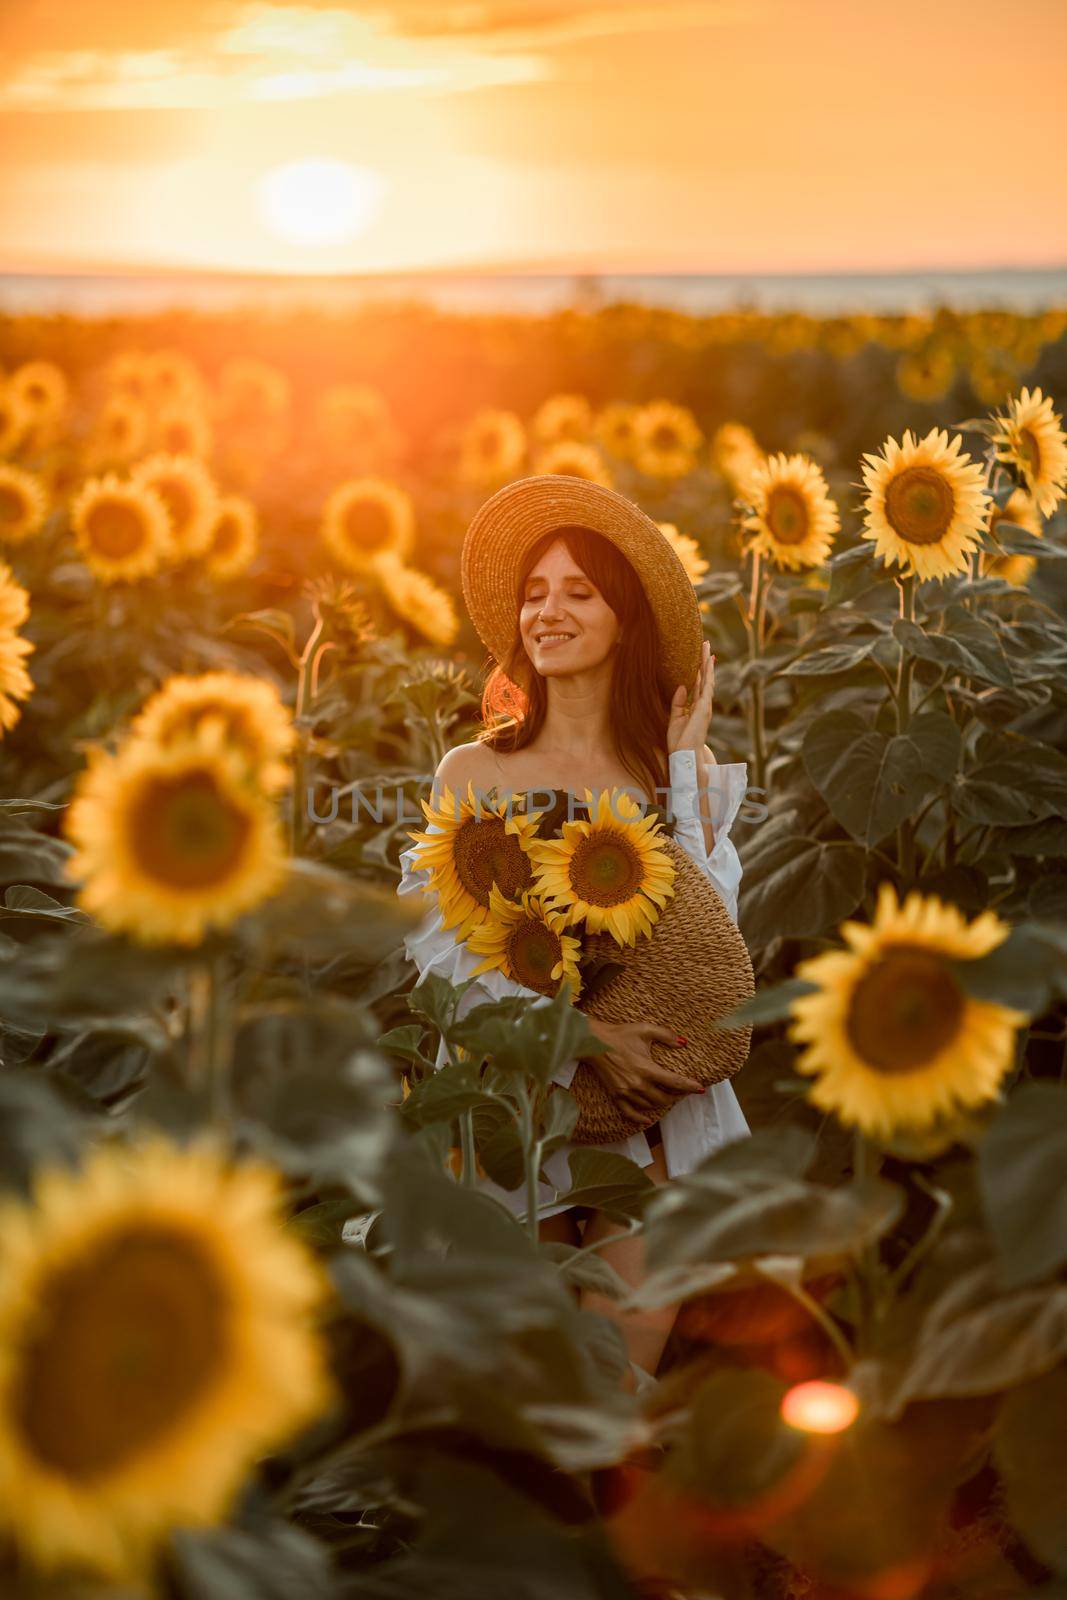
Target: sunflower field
[260,1333]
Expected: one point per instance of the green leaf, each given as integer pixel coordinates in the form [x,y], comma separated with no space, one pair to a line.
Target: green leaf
[533,1037]
[445,1094]
[1021,1163]
[835,658]
[1028,1449]
[272,1561]
[967,645]
[434,998]
[606,1181]
[870,781]
[40,1125]
[735,1448]
[853,573]
[1027,971]
[769,1004]
[405,1043]
[799,888]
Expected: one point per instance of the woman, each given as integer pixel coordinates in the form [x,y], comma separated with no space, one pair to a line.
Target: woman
[592,619]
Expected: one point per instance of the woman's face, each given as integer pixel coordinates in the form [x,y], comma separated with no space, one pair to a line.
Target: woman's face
[560,600]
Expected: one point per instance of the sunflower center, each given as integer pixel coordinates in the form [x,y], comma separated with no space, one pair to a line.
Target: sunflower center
[114,529]
[185,833]
[664,437]
[225,540]
[920,506]
[1030,450]
[904,1010]
[12,505]
[126,1340]
[178,501]
[177,438]
[605,870]
[533,950]
[787,515]
[485,854]
[367,524]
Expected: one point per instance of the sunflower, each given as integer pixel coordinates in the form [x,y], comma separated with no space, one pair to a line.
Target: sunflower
[15,419]
[614,428]
[1030,440]
[366,518]
[172,841]
[524,939]
[249,711]
[23,504]
[15,682]
[353,422]
[183,430]
[121,430]
[574,460]
[734,454]
[793,519]
[476,845]
[687,550]
[927,373]
[121,529]
[189,494]
[889,1035]
[666,440]
[157,1337]
[234,537]
[129,375]
[562,416]
[418,600]
[608,870]
[43,389]
[173,376]
[493,447]
[251,391]
[926,504]
[1020,512]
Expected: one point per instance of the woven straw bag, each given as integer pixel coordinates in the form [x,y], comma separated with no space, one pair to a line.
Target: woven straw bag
[693,969]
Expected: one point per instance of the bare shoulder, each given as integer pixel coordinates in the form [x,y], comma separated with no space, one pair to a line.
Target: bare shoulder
[466,763]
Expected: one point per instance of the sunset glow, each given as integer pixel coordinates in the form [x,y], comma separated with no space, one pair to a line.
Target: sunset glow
[319,202]
[687,135]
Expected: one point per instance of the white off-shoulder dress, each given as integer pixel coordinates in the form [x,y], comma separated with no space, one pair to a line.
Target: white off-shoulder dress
[697,1123]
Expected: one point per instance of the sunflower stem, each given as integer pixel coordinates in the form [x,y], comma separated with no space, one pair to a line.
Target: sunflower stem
[466,1141]
[865,1164]
[905,668]
[757,615]
[307,669]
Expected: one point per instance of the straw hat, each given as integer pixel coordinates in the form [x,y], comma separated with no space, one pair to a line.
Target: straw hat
[513,520]
[692,970]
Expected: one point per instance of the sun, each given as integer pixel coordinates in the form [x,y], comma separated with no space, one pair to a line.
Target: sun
[319,201]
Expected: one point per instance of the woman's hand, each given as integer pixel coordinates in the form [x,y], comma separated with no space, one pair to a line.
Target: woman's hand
[636,1083]
[687,728]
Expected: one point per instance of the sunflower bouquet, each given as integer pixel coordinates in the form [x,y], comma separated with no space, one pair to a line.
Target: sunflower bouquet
[532,891]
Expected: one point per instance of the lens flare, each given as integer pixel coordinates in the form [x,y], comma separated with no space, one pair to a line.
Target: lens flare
[819,1407]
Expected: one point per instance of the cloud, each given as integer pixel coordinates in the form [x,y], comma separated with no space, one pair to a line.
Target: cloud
[180,54]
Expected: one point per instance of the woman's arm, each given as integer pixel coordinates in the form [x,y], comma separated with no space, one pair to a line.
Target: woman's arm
[716,794]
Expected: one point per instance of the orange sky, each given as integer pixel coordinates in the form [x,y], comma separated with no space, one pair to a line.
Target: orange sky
[700,135]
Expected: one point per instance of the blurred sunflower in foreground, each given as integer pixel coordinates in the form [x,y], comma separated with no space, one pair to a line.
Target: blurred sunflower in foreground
[23,504]
[614,428]
[568,458]
[687,550]
[172,841]
[666,439]
[119,433]
[792,518]
[470,845]
[248,711]
[608,870]
[15,420]
[43,389]
[926,505]
[365,519]
[892,1040]
[1030,440]
[417,600]
[524,939]
[15,682]
[121,529]
[157,1337]
[492,448]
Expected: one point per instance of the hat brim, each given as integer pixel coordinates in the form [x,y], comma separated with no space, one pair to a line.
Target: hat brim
[511,521]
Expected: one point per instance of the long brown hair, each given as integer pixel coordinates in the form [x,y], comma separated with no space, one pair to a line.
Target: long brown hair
[515,699]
